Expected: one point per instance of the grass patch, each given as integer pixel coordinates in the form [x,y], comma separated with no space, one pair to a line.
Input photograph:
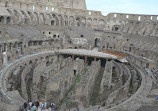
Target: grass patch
[78,79]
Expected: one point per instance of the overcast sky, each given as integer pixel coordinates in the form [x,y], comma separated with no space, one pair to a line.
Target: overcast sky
[124,6]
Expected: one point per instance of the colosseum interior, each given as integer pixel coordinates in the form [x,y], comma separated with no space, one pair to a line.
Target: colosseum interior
[60,52]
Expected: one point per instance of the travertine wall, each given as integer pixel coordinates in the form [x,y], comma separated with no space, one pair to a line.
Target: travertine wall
[73,4]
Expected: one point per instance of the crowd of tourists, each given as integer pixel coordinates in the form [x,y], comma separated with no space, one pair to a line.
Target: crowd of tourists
[38,106]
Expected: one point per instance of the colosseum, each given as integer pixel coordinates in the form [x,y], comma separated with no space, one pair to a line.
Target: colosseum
[57,51]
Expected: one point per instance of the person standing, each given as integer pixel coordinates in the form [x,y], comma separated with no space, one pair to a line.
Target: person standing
[30,104]
[37,104]
[25,106]
[40,104]
[45,105]
[42,107]
[34,108]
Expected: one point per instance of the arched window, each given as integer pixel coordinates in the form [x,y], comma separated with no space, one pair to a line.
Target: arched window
[52,22]
[8,20]
[1,19]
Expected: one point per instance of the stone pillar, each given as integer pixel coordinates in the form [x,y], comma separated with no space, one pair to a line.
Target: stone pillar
[5,47]
[90,47]
[95,58]
[73,57]
[16,46]
[5,58]
[1,49]
[85,59]
[11,47]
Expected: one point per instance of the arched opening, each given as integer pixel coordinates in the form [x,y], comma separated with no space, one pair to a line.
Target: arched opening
[54,36]
[78,21]
[116,28]
[8,20]
[56,19]
[74,72]
[97,42]
[30,62]
[71,21]
[42,18]
[89,22]
[1,19]
[52,22]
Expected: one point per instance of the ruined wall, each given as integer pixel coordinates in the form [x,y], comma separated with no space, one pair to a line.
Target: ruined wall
[61,82]
[73,4]
[84,88]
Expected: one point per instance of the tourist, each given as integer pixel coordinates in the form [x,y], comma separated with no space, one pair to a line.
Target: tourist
[30,104]
[45,105]
[42,106]
[25,106]
[37,104]
[33,108]
[98,109]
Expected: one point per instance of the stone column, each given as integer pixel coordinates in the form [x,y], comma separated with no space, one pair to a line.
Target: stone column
[95,58]
[5,47]
[85,59]
[73,57]
[1,49]
[5,58]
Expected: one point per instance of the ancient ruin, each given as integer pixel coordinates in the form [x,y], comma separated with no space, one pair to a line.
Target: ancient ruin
[58,51]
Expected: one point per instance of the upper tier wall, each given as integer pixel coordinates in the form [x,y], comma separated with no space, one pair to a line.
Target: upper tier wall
[49,7]
[73,4]
[137,17]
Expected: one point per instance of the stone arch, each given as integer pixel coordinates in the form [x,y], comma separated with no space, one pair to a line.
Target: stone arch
[14,18]
[60,20]
[10,11]
[101,24]
[41,18]
[26,18]
[97,42]
[30,62]
[37,17]
[83,21]
[115,28]
[56,19]
[95,21]
[65,20]
[31,16]
[71,21]
[78,21]
[89,22]
[47,57]
[36,61]
[48,16]
[41,58]
[18,16]
[8,20]
[52,22]
[2,19]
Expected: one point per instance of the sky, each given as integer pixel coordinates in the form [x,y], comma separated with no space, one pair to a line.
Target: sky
[149,7]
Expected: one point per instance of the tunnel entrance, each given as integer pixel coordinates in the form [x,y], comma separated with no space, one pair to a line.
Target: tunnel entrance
[103,62]
[97,42]
[89,60]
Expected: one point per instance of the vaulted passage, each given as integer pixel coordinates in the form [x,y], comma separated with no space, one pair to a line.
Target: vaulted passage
[97,42]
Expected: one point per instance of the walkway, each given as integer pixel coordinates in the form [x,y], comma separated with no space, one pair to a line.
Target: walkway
[90,53]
